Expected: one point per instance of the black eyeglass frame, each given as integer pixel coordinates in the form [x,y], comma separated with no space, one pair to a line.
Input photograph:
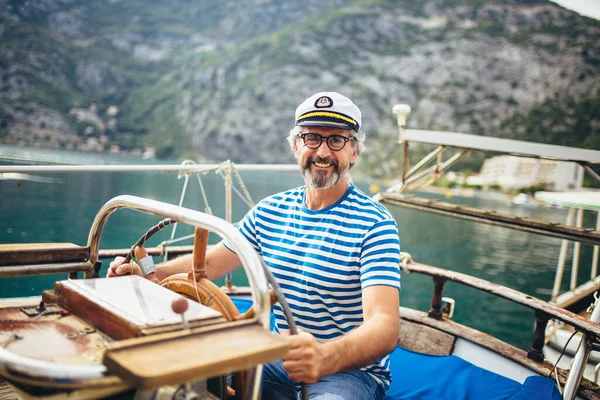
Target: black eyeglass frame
[326,138]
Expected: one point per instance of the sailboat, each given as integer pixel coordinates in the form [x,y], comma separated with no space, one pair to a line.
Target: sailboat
[93,337]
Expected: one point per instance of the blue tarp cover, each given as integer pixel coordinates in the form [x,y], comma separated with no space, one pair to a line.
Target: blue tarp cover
[417,376]
[244,305]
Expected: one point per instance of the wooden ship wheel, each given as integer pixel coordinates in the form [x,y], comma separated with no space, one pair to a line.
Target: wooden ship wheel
[196,286]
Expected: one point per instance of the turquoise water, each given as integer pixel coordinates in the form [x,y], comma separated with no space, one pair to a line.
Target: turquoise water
[61,208]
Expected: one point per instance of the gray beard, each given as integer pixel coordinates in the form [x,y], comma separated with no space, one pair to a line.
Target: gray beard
[320,179]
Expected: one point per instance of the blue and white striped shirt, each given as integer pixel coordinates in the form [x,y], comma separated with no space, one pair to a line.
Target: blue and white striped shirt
[322,259]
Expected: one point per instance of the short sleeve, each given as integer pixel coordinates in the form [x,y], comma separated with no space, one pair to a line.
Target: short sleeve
[247,227]
[380,256]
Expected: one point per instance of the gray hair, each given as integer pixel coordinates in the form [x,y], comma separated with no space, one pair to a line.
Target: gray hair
[358,143]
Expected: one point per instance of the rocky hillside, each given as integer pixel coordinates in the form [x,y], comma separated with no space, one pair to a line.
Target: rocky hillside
[220,80]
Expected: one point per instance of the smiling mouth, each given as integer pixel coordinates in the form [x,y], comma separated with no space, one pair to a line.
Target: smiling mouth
[322,165]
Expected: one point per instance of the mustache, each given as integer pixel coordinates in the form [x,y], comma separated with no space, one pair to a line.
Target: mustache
[320,160]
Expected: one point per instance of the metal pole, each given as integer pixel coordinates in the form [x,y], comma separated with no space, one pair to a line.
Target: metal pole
[404,156]
[402,110]
[576,252]
[425,160]
[595,255]
[9,271]
[177,169]
[562,258]
[591,171]
[438,163]
[581,358]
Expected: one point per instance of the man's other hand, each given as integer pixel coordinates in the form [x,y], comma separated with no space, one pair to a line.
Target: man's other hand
[305,360]
[117,268]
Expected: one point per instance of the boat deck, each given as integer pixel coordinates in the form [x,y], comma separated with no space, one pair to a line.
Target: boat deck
[7,392]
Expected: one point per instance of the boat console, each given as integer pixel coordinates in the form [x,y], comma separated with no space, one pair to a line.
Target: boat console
[96,337]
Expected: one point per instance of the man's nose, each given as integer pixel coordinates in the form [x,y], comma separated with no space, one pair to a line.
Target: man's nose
[324,150]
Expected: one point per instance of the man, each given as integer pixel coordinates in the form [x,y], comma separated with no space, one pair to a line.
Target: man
[335,253]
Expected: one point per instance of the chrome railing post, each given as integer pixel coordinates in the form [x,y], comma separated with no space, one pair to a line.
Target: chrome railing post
[562,258]
[581,357]
[594,270]
[576,252]
[402,110]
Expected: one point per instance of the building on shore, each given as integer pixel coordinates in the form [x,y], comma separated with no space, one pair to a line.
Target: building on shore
[511,172]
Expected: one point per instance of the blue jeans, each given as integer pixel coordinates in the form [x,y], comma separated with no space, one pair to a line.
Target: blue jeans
[350,385]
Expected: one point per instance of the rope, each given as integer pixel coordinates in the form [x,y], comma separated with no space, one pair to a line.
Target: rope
[246,199]
[243,186]
[405,259]
[207,207]
[164,250]
[556,363]
[556,325]
[183,191]
[195,283]
[244,195]
[179,239]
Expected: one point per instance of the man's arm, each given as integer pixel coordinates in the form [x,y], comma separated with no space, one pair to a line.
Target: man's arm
[309,360]
[219,262]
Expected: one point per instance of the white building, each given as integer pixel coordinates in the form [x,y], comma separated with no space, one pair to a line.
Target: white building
[517,172]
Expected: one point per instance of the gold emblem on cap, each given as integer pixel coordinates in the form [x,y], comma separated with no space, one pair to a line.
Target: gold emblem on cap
[323,102]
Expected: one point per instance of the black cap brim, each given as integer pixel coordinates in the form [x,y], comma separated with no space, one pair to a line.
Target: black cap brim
[327,124]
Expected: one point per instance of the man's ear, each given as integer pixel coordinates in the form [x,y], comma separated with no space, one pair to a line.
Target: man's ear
[354,155]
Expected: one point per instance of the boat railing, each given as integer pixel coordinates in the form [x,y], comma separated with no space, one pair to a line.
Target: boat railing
[423,173]
[72,374]
[544,312]
[577,205]
[578,289]
[227,170]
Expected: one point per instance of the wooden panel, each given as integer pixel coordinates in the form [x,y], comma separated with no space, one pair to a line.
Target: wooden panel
[423,339]
[128,306]
[170,360]
[34,253]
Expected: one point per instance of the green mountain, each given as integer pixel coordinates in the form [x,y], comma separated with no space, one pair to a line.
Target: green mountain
[215,80]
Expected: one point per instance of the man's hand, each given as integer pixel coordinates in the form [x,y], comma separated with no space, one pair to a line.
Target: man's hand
[305,360]
[117,268]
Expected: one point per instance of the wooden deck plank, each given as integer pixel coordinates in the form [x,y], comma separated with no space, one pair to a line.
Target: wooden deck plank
[33,253]
[423,339]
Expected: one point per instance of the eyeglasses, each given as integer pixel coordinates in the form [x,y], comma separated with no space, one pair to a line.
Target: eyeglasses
[334,142]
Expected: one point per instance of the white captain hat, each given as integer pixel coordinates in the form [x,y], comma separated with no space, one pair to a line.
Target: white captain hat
[329,109]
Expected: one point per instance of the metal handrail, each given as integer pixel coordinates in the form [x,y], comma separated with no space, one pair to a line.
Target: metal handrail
[169,168]
[515,296]
[50,370]
[250,260]
[9,271]
[543,312]
[581,358]
[562,231]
